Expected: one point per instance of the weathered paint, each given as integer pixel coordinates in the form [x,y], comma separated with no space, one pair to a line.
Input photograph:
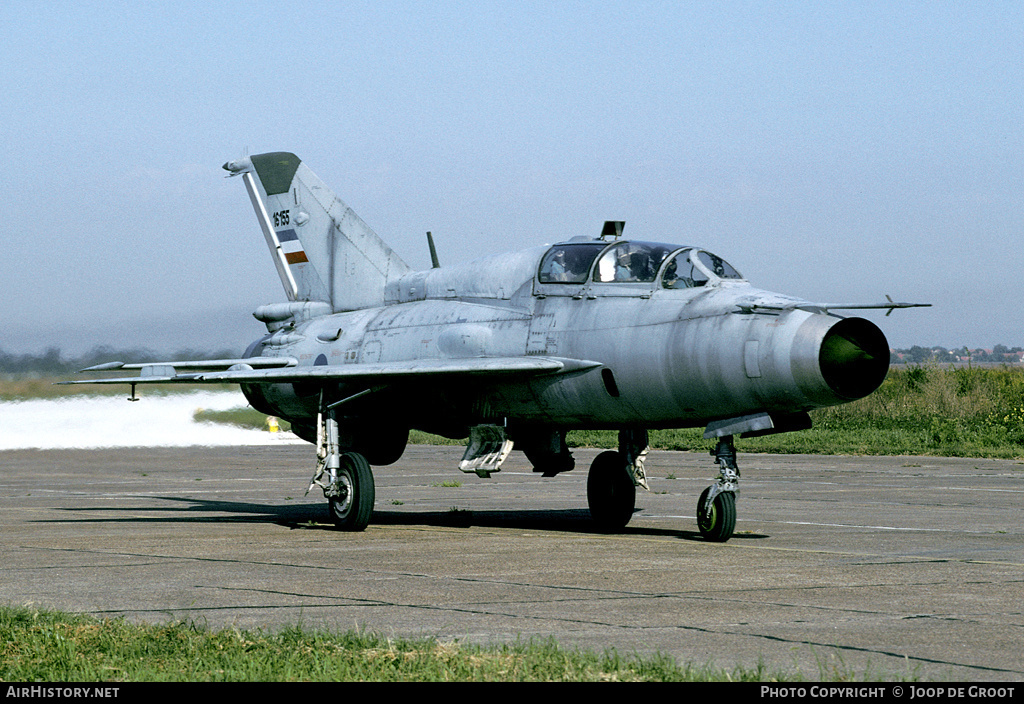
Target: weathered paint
[680,357]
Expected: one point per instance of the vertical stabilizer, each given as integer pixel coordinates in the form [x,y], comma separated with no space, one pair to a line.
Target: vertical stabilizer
[323,250]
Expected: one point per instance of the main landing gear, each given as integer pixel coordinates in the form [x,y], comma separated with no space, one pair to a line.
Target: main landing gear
[350,497]
[347,482]
[345,477]
[613,478]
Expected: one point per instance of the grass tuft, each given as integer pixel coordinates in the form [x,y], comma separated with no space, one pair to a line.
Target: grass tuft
[50,646]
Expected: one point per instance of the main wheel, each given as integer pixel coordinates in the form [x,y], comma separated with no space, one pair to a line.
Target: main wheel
[718,525]
[611,494]
[352,507]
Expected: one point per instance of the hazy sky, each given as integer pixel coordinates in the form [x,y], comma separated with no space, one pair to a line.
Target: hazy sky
[835,151]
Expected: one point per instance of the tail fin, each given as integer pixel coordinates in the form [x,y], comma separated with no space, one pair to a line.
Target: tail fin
[323,251]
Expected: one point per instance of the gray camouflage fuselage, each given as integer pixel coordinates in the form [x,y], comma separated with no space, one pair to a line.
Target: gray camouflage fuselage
[667,357]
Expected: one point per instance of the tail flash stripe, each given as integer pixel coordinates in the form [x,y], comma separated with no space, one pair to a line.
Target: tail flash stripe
[290,287]
[292,248]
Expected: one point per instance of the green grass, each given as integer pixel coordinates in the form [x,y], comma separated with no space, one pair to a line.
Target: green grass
[51,646]
[953,412]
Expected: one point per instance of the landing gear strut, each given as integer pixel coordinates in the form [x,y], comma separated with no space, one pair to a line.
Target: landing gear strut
[716,508]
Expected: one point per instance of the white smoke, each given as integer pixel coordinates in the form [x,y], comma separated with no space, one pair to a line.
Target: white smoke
[111,421]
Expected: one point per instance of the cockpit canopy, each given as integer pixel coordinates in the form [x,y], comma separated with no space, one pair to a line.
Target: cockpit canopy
[635,262]
[690,268]
[568,263]
[632,262]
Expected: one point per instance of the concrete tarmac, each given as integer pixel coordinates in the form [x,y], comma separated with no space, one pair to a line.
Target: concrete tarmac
[870,567]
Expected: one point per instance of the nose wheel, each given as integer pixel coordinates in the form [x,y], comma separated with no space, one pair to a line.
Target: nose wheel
[716,516]
[716,508]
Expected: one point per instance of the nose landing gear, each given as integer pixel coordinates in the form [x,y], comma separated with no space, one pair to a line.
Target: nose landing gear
[716,508]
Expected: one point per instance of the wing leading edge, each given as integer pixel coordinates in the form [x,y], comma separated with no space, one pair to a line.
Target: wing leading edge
[246,372]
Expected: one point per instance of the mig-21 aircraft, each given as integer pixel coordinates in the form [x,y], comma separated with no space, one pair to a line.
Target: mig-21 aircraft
[514,350]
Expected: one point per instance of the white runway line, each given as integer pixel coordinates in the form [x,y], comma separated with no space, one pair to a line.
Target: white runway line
[111,421]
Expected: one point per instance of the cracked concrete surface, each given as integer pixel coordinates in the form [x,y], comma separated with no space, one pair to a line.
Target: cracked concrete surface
[874,566]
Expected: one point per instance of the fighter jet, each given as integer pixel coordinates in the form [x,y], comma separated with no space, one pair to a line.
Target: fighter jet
[514,350]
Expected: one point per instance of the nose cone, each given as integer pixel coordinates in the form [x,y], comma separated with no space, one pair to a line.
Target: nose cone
[854,358]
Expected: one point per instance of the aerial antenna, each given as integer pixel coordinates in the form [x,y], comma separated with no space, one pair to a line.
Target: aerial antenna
[612,229]
[433,252]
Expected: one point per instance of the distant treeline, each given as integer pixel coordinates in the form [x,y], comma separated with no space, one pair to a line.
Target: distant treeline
[53,361]
[1000,354]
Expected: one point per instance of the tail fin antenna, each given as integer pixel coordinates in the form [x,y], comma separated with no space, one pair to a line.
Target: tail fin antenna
[434,262]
